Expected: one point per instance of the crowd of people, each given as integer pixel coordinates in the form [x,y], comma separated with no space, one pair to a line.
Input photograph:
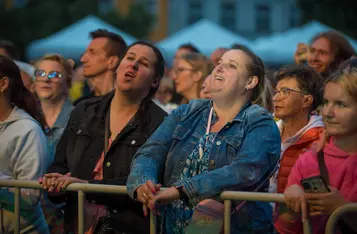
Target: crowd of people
[177,137]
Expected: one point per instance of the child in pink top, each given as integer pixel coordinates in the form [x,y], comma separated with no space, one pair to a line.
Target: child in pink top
[340,155]
[342,169]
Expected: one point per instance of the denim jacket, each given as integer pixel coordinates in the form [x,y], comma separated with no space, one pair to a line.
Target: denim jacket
[244,153]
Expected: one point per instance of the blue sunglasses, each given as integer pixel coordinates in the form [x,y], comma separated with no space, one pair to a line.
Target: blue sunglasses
[51,75]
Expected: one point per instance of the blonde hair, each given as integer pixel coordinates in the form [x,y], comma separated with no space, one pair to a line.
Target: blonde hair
[346,77]
[67,65]
[199,63]
[265,98]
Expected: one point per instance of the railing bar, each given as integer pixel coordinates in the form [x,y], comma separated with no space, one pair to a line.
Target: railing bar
[97,188]
[307,227]
[227,216]
[251,196]
[336,216]
[153,223]
[81,197]
[17,210]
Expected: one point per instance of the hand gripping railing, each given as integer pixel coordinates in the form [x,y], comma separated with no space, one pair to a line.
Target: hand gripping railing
[121,190]
[336,216]
[80,188]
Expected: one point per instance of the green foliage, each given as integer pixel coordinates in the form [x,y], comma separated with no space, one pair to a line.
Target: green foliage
[338,14]
[41,18]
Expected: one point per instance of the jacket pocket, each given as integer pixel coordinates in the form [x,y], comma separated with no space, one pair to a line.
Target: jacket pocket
[233,145]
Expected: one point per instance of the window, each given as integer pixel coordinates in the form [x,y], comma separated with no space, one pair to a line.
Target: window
[194,11]
[294,16]
[262,19]
[228,15]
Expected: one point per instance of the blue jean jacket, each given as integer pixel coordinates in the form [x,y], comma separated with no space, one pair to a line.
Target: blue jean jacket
[244,152]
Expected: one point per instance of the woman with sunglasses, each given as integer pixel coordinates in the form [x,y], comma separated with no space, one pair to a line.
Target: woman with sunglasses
[189,72]
[53,77]
[209,146]
[23,151]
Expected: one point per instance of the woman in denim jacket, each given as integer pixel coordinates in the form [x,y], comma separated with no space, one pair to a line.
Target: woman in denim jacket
[207,147]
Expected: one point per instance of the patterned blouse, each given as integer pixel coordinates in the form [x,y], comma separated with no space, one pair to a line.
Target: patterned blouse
[179,213]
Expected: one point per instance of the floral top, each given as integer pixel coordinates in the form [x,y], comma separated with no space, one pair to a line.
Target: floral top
[179,213]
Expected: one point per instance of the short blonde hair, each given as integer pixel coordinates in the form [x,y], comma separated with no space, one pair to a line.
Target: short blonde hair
[200,63]
[67,65]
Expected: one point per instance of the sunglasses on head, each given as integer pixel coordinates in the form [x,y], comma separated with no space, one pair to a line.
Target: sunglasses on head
[50,75]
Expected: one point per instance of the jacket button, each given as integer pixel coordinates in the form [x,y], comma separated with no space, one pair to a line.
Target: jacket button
[212,162]
[115,211]
[79,131]
[218,143]
[108,164]
[133,142]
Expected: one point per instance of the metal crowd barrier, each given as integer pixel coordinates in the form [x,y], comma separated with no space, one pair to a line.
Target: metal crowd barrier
[336,215]
[112,189]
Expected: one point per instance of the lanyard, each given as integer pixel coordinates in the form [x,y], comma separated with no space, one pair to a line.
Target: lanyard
[200,147]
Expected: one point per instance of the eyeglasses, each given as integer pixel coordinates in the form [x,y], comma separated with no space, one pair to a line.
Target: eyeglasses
[179,70]
[285,92]
[52,76]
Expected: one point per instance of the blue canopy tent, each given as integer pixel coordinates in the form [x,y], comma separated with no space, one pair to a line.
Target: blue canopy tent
[204,34]
[280,47]
[72,41]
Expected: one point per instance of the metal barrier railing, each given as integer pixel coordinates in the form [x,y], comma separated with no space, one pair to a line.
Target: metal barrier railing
[229,196]
[336,215]
[81,189]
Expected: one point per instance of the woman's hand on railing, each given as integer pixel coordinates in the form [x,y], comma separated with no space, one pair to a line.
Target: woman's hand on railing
[164,197]
[295,200]
[54,182]
[147,192]
[325,203]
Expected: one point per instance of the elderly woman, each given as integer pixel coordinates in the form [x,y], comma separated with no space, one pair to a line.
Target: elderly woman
[207,147]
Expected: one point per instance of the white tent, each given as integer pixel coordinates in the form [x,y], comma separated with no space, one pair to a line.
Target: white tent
[205,35]
[279,48]
[72,41]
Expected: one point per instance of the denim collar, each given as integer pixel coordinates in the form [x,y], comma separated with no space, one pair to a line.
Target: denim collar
[239,117]
[63,117]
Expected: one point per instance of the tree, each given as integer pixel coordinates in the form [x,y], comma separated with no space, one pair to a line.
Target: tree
[41,18]
[338,14]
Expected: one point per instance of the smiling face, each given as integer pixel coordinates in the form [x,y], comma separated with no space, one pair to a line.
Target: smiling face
[339,111]
[320,56]
[136,72]
[230,77]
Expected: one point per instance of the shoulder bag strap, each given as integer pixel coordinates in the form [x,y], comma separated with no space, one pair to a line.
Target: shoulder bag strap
[322,167]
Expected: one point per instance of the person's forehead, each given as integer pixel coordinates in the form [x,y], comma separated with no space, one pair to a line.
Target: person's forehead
[142,51]
[288,82]
[235,55]
[321,44]
[98,43]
